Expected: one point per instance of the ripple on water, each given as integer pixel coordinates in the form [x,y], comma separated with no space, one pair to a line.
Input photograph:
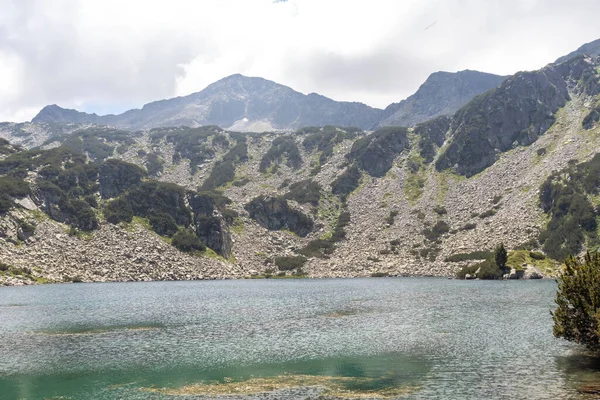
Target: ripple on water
[423,338]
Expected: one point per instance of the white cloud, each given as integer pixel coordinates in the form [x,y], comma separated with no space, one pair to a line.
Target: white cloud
[109,55]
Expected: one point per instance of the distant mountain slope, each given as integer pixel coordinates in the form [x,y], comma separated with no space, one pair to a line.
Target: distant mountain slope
[516,113]
[591,48]
[238,101]
[254,104]
[443,93]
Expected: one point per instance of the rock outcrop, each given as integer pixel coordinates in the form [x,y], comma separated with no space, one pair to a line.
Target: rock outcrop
[274,213]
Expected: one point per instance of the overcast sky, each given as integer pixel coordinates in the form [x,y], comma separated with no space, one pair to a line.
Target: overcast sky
[107,56]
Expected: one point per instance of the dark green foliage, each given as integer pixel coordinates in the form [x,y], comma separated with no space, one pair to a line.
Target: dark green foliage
[282,146]
[220,140]
[222,173]
[79,214]
[206,202]
[475,255]
[229,215]
[11,187]
[224,170]
[324,139]
[577,316]
[440,210]
[186,240]
[376,153]
[117,176]
[32,159]
[27,228]
[118,210]
[536,255]
[379,274]
[241,182]
[431,135]
[521,109]
[98,143]
[435,232]
[591,118]
[152,198]
[489,213]
[321,248]
[290,262]
[6,148]
[190,143]
[489,270]
[500,256]
[306,191]
[154,164]
[390,218]
[163,224]
[346,183]
[467,269]
[564,196]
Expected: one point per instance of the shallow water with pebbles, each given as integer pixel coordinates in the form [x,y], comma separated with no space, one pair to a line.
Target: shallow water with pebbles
[416,338]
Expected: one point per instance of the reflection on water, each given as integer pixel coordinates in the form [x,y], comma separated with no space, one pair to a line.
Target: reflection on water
[363,338]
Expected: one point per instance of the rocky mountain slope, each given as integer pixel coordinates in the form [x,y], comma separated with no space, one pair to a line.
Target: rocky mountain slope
[96,203]
[246,104]
[443,93]
[591,48]
[236,102]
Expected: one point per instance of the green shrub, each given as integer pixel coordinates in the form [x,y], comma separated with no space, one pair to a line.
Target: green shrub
[346,183]
[321,248]
[306,191]
[154,164]
[500,256]
[289,263]
[468,226]
[440,210]
[79,214]
[564,197]
[376,153]
[437,231]
[577,316]
[474,255]
[391,216]
[488,213]
[153,197]
[591,118]
[186,240]
[536,255]
[190,143]
[283,146]
[118,210]
[163,224]
[467,269]
[224,171]
[11,187]
[489,270]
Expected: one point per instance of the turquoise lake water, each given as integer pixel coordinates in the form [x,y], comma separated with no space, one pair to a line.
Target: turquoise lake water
[417,338]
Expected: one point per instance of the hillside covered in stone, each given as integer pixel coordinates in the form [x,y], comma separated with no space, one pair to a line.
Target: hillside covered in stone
[515,165]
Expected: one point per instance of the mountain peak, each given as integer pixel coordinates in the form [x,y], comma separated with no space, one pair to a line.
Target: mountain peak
[591,49]
[55,113]
[442,93]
